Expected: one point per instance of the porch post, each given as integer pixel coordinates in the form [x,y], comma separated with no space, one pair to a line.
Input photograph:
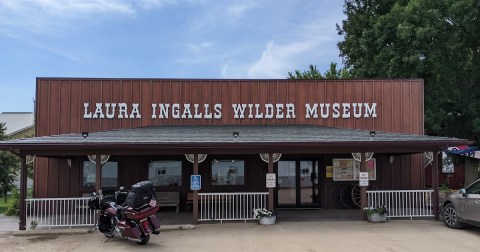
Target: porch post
[23,193]
[437,159]
[270,190]
[98,174]
[195,192]
[363,189]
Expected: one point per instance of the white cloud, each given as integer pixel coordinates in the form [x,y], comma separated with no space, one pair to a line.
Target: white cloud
[201,46]
[310,43]
[53,16]
[152,4]
[237,9]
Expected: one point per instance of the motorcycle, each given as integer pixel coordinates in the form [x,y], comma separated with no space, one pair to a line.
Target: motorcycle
[134,222]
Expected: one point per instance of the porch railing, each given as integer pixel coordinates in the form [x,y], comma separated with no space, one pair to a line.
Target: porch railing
[403,203]
[230,206]
[59,212]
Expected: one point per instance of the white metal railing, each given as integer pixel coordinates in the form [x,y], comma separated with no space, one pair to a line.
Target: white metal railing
[403,203]
[230,206]
[59,212]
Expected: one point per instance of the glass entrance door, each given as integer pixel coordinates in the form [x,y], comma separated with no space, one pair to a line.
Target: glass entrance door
[297,184]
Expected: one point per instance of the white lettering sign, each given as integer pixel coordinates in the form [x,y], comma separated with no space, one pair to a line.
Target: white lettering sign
[271,180]
[363,178]
[123,110]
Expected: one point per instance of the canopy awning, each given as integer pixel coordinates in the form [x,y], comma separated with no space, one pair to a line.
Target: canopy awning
[250,139]
[469,151]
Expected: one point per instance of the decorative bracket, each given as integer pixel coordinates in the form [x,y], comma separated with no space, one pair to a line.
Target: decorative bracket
[29,159]
[201,157]
[276,157]
[429,157]
[103,159]
[358,156]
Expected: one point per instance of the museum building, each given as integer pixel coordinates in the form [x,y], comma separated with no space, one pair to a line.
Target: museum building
[291,143]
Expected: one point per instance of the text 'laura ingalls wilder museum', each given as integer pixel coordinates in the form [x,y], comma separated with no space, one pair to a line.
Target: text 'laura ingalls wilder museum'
[254,143]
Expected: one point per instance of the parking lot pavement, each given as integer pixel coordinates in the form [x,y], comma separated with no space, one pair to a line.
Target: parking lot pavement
[394,235]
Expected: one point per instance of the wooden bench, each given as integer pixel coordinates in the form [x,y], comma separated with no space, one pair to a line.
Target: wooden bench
[168,199]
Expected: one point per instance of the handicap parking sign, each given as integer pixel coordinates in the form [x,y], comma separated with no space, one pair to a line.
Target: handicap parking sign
[195,182]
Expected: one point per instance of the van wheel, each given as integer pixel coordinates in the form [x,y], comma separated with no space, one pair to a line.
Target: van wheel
[144,240]
[450,217]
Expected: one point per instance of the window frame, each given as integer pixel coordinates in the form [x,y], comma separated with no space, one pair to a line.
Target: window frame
[180,180]
[95,175]
[215,161]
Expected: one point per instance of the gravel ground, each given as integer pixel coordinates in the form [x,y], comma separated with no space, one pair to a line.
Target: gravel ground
[394,235]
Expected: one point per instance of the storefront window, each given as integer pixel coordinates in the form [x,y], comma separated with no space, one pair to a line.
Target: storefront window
[109,174]
[165,173]
[228,172]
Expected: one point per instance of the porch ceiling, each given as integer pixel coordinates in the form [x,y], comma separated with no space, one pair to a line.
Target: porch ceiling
[287,139]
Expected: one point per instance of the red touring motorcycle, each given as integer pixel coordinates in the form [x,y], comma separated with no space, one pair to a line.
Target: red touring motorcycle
[130,214]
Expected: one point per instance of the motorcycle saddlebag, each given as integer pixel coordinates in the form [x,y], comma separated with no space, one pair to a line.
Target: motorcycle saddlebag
[154,222]
[140,194]
[129,230]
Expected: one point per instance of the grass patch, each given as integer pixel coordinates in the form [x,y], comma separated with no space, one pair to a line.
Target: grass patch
[3,205]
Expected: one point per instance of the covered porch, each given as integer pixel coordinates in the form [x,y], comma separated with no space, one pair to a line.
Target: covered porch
[198,142]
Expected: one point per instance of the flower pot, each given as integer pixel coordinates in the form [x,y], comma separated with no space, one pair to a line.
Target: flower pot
[377,217]
[268,220]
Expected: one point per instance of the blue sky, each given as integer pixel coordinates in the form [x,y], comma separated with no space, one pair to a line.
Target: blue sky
[160,39]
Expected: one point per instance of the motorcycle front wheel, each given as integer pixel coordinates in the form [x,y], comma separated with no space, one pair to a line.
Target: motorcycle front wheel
[144,240]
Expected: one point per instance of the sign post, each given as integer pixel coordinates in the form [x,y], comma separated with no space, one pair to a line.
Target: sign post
[195,182]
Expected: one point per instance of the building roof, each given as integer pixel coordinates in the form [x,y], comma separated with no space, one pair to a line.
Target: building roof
[17,121]
[220,139]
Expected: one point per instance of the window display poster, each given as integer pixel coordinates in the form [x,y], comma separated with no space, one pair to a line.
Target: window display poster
[329,171]
[349,169]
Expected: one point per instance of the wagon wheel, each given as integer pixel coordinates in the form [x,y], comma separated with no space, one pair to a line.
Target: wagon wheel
[356,193]
[336,199]
[346,196]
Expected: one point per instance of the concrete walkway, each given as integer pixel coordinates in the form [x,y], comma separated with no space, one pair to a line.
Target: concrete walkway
[8,223]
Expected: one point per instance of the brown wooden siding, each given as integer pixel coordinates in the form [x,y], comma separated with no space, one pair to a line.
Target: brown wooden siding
[60,110]
[60,102]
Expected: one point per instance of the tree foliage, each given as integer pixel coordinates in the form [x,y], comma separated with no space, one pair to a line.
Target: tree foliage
[314,73]
[8,167]
[437,40]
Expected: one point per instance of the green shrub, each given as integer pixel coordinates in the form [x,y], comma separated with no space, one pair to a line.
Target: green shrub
[14,208]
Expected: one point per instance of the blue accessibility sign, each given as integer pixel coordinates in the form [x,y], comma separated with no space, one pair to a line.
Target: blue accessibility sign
[195,182]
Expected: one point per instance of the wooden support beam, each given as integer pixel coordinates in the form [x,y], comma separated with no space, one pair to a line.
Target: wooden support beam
[363,189]
[437,159]
[271,205]
[195,192]
[98,174]
[23,193]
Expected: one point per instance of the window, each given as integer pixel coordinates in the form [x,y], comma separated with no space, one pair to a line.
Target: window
[228,172]
[109,174]
[165,173]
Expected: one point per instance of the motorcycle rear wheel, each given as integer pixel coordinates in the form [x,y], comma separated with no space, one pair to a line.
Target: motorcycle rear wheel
[108,235]
[144,240]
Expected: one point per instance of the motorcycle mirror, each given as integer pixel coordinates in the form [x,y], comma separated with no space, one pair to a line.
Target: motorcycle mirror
[94,194]
[121,188]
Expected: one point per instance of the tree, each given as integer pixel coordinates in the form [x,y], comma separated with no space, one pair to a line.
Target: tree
[8,166]
[438,41]
[313,73]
